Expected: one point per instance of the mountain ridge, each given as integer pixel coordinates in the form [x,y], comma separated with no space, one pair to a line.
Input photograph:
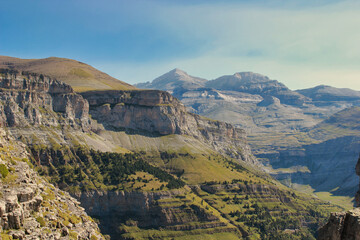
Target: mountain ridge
[326,93]
[80,76]
[288,135]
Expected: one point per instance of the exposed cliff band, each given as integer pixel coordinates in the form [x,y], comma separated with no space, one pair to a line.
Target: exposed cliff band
[158,112]
[24,95]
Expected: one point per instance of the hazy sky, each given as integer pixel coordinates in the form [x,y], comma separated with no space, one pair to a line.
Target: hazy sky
[300,44]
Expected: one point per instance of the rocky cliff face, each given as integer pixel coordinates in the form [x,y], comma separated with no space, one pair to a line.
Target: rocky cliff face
[158,112]
[30,99]
[146,210]
[30,207]
[328,165]
[25,97]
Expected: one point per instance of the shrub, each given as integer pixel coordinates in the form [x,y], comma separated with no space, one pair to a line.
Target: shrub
[93,237]
[41,221]
[4,170]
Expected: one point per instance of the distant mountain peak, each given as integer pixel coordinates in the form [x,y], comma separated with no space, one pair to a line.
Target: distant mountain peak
[175,78]
[255,83]
[176,72]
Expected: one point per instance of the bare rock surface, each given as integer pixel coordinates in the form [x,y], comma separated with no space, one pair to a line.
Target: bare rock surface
[26,98]
[32,208]
[342,226]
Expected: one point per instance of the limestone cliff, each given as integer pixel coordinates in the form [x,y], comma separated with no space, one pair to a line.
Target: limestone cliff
[321,167]
[148,210]
[158,112]
[26,97]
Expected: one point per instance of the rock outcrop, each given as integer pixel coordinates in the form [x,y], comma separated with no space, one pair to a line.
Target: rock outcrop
[32,208]
[269,100]
[342,226]
[25,97]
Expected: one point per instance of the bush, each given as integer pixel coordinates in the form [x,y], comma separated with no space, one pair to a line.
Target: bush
[93,237]
[41,221]
[4,170]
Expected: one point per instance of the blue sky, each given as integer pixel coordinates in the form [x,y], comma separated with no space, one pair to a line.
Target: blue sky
[298,43]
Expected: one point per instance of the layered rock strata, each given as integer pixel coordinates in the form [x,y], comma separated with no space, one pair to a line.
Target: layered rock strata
[158,112]
[27,98]
[156,210]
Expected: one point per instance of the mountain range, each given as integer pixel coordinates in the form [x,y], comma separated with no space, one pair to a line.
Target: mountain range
[136,161]
[286,129]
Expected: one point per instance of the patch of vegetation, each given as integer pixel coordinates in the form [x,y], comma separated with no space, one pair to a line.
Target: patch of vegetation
[93,237]
[10,179]
[267,212]
[49,196]
[41,221]
[5,236]
[73,235]
[81,169]
[344,201]
[3,171]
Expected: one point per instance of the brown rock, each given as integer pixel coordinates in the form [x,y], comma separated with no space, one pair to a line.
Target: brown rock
[342,226]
